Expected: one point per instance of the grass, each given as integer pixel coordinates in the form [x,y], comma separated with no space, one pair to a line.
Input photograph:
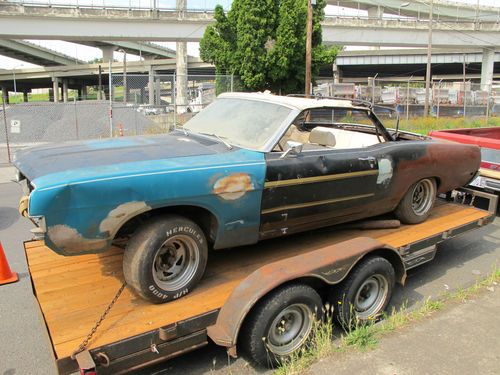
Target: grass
[423,125]
[365,336]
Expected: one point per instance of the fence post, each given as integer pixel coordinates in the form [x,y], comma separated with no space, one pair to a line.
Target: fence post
[488,94]
[174,86]
[76,119]
[408,101]
[6,130]
[110,101]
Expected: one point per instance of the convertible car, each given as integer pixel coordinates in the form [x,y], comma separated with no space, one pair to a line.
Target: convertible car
[247,168]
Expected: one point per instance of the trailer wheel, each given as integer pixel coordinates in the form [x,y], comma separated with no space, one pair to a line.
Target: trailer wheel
[280,324]
[165,258]
[417,203]
[365,293]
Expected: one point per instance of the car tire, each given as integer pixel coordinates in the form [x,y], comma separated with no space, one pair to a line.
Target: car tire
[417,203]
[364,294]
[289,310]
[165,258]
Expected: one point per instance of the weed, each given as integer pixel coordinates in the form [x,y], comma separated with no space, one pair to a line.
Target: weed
[365,335]
[362,336]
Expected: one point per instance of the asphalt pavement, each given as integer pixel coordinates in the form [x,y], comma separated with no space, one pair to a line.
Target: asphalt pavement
[25,345]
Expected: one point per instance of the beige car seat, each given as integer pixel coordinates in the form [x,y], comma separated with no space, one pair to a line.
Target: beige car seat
[293,134]
[323,137]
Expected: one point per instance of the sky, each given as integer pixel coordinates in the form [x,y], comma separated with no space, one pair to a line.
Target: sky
[88,53]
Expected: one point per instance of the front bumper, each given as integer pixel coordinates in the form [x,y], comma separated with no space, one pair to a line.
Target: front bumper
[39,221]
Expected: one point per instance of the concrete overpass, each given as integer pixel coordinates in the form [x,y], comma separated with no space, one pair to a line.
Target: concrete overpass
[143,49]
[83,24]
[32,53]
[443,10]
[400,64]
[79,77]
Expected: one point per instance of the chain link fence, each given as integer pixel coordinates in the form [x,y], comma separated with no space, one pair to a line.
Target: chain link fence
[151,103]
[134,104]
[446,99]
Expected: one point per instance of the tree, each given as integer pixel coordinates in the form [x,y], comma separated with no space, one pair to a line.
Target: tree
[263,42]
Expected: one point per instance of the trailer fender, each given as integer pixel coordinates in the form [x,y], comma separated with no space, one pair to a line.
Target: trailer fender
[331,264]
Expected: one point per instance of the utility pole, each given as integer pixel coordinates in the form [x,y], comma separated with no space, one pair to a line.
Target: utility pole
[309,47]
[429,58]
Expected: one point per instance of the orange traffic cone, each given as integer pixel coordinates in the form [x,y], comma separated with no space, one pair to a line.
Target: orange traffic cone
[6,275]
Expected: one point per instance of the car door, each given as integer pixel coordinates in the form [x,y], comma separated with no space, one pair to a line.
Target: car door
[317,188]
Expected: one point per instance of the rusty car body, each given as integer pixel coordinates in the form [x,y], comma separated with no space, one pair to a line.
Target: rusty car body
[246,168]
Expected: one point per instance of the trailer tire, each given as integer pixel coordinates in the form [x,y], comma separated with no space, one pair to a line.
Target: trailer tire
[417,203]
[280,324]
[365,293]
[165,258]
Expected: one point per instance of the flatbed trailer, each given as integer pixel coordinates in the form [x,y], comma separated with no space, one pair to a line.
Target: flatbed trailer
[73,292]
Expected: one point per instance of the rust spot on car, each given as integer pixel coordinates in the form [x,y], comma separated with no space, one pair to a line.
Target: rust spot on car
[234,186]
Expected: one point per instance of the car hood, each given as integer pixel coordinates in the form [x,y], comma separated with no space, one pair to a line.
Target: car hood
[35,162]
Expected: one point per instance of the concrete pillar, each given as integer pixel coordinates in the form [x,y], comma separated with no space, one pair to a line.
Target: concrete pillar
[107,53]
[157,91]
[487,69]
[376,12]
[335,70]
[181,69]
[5,94]
[151,85]
[142,95]
[55,87]
[25,96]
[65,90]
[51,95]
[83,92]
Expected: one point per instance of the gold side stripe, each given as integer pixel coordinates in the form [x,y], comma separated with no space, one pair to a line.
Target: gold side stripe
[310,180]
[317,203]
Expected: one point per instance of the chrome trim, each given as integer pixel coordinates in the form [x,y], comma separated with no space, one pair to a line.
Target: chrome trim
[310,180]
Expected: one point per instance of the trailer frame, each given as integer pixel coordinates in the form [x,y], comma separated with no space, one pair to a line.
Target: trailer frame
[172,340]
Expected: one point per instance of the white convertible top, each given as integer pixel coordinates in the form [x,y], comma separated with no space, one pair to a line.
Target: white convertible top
[292,102]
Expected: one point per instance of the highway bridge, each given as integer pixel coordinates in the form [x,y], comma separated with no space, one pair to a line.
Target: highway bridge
[129,28]
[19,21]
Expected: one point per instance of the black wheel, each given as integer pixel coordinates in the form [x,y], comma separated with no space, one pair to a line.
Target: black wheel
[280,324]
[165,258]
[365,293]
[417,203]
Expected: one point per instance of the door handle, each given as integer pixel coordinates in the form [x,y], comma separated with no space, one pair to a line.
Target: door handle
[369,159]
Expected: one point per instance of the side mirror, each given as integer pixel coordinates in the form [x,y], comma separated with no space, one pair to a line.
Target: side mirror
[292,148]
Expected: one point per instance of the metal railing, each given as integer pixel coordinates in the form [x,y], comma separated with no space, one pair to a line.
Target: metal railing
[149,5]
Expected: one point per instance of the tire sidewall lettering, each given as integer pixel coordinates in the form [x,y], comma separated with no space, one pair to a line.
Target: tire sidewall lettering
[186,230]
[158,293]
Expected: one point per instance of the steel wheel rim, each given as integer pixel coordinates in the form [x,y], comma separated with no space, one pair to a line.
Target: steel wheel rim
[175,263]
[371,296]
[290,329]
[422,197]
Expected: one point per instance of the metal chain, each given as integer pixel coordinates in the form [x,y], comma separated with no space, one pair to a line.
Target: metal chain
[92,332]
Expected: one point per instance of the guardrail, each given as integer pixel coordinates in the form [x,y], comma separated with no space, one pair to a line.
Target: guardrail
[151,5]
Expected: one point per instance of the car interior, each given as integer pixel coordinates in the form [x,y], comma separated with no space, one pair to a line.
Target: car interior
[321,128]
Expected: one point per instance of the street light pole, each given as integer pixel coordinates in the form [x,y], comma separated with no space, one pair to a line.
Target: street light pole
[15,86]
[309,47]
[429,60]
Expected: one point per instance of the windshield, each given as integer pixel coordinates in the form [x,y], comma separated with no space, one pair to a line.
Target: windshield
[247,123]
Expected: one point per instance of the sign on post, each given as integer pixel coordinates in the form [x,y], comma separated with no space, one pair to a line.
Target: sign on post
[15,126]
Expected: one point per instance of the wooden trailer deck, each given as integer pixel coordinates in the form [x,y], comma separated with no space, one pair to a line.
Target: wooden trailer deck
[74,291]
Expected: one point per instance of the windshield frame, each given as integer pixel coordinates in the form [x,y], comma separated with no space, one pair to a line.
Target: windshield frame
[273,139]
